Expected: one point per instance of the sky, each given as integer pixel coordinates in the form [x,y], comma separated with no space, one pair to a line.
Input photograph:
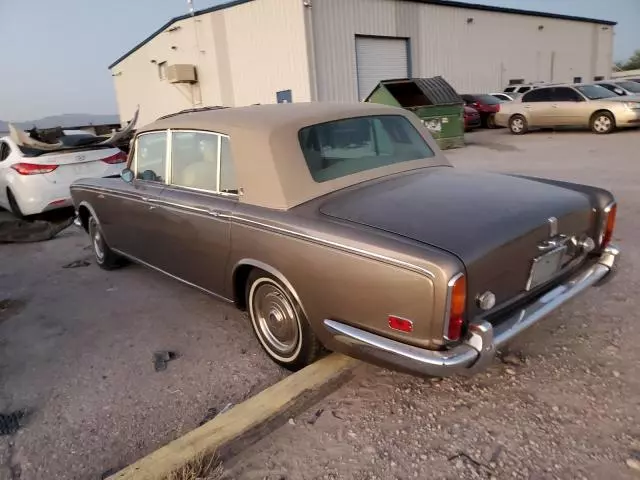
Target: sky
[55,54]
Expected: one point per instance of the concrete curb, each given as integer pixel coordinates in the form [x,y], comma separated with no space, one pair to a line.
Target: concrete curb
[245,423]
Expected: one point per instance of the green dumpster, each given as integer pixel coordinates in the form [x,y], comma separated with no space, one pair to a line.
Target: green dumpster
[433,100]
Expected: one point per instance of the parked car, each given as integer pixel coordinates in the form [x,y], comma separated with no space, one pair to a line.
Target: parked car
[621,87]
[521,88]
[503,96]
[344,226]
[471,118]
[35,176]
[579,105]
[486,105]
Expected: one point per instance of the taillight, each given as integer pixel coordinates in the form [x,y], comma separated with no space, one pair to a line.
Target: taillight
[24,168]
[457,297]
[119,157]
[609,224]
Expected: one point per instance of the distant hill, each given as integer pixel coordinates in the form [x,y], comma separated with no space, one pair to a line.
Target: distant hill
[65,121]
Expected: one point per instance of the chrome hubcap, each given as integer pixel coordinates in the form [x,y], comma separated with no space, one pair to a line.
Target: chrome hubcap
[97,245]
[602,124]
[276,319]
[517,125]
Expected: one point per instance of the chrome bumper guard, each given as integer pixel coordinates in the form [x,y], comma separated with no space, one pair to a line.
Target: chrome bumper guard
[478,351]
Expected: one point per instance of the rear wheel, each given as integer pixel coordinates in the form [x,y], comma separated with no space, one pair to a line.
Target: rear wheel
[518,125]
[105,257]
[13,204]
[602,123]
[279,322]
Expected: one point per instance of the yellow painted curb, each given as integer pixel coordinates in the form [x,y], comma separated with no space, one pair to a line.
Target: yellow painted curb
[241,420]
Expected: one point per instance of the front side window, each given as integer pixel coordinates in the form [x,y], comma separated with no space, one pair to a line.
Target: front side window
[202,161]
[151,156]
[344,147]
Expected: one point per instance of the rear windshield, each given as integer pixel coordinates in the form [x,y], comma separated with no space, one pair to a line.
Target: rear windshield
[487,99]
[631,86]
[343,147]
[595,92]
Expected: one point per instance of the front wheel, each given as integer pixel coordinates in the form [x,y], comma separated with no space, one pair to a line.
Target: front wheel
[602,123]
[105,257]
[279,322]
[518,125]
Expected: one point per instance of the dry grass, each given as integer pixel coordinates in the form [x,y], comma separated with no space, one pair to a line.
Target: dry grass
[203,467]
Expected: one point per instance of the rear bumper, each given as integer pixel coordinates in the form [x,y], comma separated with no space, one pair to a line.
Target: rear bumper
[478,351]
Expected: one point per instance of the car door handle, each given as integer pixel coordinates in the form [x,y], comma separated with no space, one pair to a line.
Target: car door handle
[215,213]
[554,106]
[527,107]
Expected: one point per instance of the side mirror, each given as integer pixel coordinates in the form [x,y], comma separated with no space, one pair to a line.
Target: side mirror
[127,175]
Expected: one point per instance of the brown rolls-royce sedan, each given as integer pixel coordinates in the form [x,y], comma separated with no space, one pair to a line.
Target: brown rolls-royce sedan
[344,226]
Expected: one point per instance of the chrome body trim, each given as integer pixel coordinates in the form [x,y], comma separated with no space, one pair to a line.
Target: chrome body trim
[273,228]
[339,246]
[478,349]
[141,262]
[447,312]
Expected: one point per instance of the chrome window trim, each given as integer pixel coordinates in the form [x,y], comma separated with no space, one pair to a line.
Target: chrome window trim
[218,160]
[447,310]
[135,155]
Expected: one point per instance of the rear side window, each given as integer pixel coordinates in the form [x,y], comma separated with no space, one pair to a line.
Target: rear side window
[344,147]
[202,161]
[151,156]
[524,89]
[537,95]
[564,94]
[509,89]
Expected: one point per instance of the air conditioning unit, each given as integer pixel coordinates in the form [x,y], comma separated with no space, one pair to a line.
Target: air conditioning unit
[181,73]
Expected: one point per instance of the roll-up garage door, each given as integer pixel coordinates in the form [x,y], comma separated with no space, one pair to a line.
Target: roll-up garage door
[379,58]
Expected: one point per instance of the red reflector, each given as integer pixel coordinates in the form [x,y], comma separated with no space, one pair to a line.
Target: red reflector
[119,157]
[32,168]
[457,307]
[609,226]
[401,324]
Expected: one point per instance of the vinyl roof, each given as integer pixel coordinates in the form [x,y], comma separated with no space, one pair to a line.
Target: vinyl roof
[270,166]
[444,3]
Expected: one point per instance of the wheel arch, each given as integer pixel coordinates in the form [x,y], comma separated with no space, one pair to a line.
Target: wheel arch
[603,110]
[241,271]
[85,210]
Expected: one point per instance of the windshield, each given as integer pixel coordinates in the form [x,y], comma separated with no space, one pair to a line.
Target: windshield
[595,92]
[631,86]
[343,147]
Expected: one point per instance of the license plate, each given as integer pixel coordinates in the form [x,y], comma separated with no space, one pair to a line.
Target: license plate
[545,267]
[81,168]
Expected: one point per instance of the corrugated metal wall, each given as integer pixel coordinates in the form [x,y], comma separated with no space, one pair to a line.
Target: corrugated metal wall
[244,55]
[474,50]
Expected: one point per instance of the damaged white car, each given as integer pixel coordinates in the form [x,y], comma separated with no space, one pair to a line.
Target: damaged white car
[37,167]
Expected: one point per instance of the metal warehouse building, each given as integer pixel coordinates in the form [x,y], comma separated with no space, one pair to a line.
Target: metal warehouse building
[264,51]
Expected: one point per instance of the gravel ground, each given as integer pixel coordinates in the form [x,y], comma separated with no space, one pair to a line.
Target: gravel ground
[562,403]
[76,352]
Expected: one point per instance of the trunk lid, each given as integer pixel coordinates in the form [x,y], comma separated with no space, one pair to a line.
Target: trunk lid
[493,223]
[79,163]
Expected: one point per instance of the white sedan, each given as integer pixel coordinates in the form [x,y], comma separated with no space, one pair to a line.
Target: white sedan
[35,175]
[33,181]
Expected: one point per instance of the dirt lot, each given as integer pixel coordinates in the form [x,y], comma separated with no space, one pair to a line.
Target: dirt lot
[76,351]
[565,404]
[77,344]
